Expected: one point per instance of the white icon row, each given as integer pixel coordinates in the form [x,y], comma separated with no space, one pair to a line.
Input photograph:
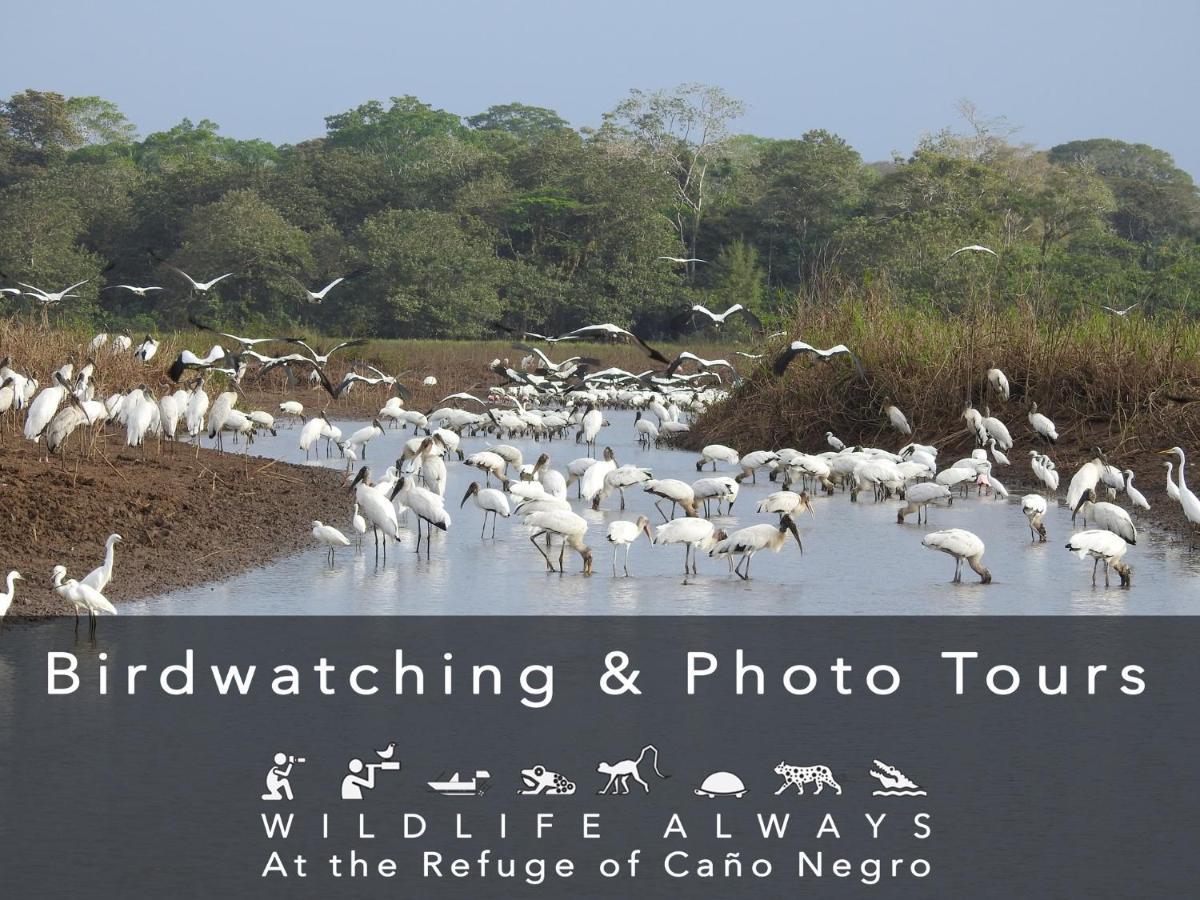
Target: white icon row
[541,781]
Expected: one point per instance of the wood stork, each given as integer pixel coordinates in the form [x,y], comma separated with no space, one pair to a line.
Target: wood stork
[1102,546]
[682,260]
[292,408]
[972,248]
[1136,497]
[568,526]
[81,596]
[964,546]
[1189,501]
[896,417]
[100,576]
[752,462]
[918,497]
[1120,313]
[622,533]
[376,508]
[201,287]
[745,542]
[1108,516]
[999,382]
[488,462]
[146,349]
[43,408]
[364,436]
[133,288]
[997,430]
[589,427]
[719,319]
[330,537]
[1034,508]
[613,332]
[1041,425]
[318,296]
[311,433]
[694,534]
[714,453]
[721,488]
[428,507]
[647,431]
[491,501]
[592,481]
[6,599]
[1086,478]
[680,493]
[785,503]
[618,480]
[798,348]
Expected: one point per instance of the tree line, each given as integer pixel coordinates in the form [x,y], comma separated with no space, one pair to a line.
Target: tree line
[448,223]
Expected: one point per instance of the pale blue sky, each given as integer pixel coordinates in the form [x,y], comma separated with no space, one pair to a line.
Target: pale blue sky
[880,74]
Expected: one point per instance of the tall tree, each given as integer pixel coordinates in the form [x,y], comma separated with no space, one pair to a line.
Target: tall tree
[685,131]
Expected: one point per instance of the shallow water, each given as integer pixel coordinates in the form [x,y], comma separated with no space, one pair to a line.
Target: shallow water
[856,560]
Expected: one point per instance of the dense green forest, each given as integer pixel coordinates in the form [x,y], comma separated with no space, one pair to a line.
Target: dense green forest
[449,222]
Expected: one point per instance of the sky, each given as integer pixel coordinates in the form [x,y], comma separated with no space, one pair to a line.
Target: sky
[880,74]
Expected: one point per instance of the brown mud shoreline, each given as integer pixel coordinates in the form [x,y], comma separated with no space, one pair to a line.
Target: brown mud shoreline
[184,519]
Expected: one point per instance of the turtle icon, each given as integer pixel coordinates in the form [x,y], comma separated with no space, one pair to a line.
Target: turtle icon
[721,784]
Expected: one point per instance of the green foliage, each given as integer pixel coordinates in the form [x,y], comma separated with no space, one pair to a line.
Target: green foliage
[512,214]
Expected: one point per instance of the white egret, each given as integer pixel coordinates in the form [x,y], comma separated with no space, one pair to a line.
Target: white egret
[834,441]
[1188,500]
[1172,487]
[6,599]
[972,248]
[100,576]
[1136,497]
[81,596]
[622,533]
[330,537]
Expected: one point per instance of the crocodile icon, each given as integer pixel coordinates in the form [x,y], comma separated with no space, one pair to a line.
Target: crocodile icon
[893,782]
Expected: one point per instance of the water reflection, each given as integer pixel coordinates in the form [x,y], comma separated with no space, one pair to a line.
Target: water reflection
[857,561]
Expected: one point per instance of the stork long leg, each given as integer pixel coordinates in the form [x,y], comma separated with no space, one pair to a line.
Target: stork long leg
[1095,562]
[660,512]
[484,528]
[627,547]
[495,515]
[533,540]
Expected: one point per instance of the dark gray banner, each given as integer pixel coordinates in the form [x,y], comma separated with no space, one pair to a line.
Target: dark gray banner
[1057,762]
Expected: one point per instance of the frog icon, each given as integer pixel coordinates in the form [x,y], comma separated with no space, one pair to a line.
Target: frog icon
[540,780]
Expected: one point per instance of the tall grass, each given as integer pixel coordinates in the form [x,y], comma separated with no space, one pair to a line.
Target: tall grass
[1128,384]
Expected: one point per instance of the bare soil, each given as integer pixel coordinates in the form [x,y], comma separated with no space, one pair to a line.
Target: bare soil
[184,519]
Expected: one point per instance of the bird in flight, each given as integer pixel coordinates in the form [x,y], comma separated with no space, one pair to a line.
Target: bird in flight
[613,333]
[201,286]
[245,342]
[686,356]
[140,291]
[973,248]
[322,358]
[47,297]
[1119,313]
[718,319]
[796,348]
[682,260]
[532,335]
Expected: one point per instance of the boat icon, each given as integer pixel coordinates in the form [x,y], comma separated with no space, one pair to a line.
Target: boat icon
[456,786]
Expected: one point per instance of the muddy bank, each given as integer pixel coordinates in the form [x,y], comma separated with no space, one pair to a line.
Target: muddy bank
[184,520]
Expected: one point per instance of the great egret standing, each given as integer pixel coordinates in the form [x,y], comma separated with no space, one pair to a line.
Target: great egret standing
[1189,501]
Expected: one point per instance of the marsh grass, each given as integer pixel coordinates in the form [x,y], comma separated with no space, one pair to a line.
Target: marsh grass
[1130,384]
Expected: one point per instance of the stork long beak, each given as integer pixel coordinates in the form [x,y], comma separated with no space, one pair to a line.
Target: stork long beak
[1082,500]
[473,489]
[649,535]
[808,505]
[361,476]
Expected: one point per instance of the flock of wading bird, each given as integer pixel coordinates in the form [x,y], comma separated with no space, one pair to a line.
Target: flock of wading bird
[543,400]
